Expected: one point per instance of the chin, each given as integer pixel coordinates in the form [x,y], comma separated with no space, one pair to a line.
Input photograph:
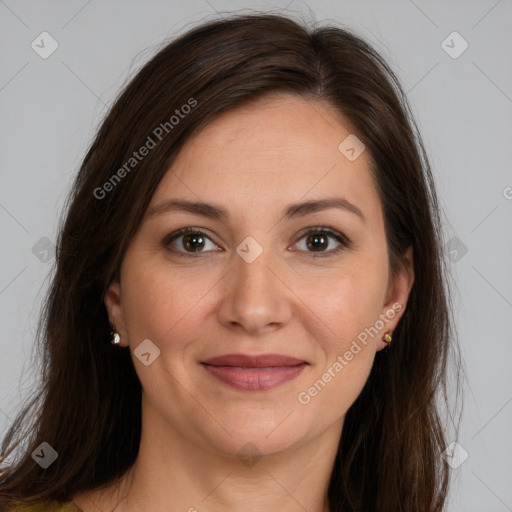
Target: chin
[254,445]
[265,433]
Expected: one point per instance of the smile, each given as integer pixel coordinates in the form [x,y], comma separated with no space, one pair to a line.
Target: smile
[254,373]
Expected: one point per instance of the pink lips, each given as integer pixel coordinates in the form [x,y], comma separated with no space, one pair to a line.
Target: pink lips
[254,373]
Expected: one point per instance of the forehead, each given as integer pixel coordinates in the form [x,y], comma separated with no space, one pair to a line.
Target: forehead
[276,150]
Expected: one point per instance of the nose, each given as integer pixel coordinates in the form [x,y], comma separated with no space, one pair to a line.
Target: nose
[255,297]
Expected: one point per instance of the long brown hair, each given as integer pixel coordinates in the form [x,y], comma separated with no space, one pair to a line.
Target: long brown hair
[88,406]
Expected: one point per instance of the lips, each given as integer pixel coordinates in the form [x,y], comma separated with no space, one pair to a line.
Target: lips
[254,373]
[245,361]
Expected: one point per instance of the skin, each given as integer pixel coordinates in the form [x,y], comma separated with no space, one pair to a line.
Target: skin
[253,161]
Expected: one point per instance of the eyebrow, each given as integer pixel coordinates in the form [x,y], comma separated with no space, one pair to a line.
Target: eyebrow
[218,212]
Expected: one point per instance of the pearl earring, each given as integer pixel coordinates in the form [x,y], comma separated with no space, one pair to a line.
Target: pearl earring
[116,338]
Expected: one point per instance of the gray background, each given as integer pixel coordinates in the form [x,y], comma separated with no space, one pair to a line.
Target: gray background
[51,107]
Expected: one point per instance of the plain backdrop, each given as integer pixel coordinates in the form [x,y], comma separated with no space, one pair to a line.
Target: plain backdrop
[461,98]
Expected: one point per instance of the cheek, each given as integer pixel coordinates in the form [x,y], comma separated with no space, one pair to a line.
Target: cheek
[159,302]
[348,308]
[349,301]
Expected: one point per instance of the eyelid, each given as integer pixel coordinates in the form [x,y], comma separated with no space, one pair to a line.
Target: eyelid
[342,239]
[168,239]
[326,230]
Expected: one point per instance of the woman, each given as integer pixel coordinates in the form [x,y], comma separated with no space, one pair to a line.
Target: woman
[249,308]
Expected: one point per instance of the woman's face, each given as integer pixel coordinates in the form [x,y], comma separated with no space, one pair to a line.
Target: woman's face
[258,280]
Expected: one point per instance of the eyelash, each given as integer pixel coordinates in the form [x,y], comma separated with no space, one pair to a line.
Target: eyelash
[320,230]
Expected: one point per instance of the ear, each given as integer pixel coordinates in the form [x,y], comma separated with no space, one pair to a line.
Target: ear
[112,301]
[397,295]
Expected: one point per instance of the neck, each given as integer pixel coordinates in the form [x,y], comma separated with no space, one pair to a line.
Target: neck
[172,473]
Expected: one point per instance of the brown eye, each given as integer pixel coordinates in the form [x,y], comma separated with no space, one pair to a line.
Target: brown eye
[318,240]
[193,242]
[189,242]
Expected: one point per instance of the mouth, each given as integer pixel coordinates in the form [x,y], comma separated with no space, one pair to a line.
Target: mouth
[254,373]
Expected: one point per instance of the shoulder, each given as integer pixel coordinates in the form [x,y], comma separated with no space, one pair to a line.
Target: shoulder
[53,506]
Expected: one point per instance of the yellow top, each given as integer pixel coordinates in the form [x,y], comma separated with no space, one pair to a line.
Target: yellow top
[49,507]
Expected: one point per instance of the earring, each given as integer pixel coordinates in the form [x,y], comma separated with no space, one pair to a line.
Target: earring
[116,338]
[388,337]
